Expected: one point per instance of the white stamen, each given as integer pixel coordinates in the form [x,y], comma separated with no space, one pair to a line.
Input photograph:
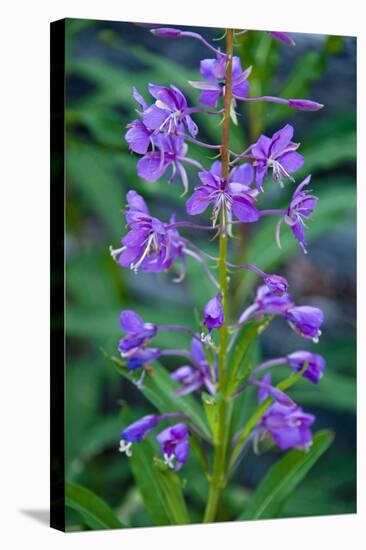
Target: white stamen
[278,233]
[125,447]
[116,252]
[169,460]
[134,267]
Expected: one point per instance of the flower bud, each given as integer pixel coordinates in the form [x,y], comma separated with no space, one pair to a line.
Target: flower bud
[306,321]
[305,104]
[166,32]
[277,285]
[214,313]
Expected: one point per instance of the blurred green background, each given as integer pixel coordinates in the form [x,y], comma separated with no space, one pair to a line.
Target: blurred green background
[103,61]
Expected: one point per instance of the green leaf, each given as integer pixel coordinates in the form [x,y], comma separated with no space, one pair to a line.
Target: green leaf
[159,389]
[92,177]
[95,512]
[239,359]
[283,478]
[160,487]
[172,490]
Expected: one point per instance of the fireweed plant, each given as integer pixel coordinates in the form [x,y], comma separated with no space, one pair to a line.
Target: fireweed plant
[229,192]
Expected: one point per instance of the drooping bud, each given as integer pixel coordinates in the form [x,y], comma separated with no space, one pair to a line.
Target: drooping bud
[315,364]
[306,321]
[214,313]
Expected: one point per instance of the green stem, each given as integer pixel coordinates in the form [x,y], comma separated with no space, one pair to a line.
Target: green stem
[218,478]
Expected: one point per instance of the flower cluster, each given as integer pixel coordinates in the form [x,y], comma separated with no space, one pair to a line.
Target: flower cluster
[230,189]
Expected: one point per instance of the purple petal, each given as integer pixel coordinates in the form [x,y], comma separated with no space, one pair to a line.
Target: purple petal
[192,126]
[138,137]
[241,89]
[136,202]
[182,373]
[209,179]
[281,139]
[150,167]
[137,430]
[299,233]
[260,174]
[291,161]
[130,321]
[236,70]
[154,117]
[129,256]
[244,210]
[198,202]
[139,99]
[214,313]
[135,238]
[210,97]
[261,149]
[181,453]
[243,174]
[216,168]
[212,69]
[263,390]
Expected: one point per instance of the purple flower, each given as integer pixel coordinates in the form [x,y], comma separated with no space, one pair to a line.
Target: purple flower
[301,207]
[213,72]
[288,426]
[136,431]
[170,112]
[266,303]
[278,153]
[234,197]
[213,313]
[150,245]
[306,321]
[171,151]
[276,284]
[194,377]
[174,443]
[138,332]
[315,364]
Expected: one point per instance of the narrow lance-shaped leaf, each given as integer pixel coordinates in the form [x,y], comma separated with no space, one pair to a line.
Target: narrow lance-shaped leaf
[239,359]
[283,478]
[95,512]
[159,389]
[160,488]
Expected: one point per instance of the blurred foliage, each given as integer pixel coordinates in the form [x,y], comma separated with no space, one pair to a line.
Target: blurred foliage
[103,62]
